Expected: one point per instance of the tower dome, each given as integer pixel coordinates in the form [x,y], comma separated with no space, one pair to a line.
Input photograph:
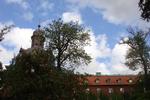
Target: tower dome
[38,38]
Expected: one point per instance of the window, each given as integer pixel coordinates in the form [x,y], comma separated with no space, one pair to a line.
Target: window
[121,89]
[87,90]
[110,90]
[98,90]
[97,81]
[32,70]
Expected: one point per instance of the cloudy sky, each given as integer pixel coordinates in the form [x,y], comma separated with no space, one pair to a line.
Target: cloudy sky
[107,21]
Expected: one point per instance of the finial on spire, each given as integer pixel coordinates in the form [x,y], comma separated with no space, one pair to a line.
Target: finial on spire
[39,26]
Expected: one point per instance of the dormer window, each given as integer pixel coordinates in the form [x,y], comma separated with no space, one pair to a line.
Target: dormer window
[118,80]
[130,81]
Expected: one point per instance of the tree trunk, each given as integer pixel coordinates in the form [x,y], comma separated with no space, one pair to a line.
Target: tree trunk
[145,74]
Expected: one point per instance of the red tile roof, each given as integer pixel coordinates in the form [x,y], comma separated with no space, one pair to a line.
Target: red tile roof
[112,80]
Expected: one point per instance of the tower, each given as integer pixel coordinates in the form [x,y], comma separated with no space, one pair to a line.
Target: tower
[38,38]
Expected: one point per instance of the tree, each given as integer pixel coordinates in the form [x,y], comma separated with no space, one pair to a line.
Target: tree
[145,9]
[138,55]
[67,42]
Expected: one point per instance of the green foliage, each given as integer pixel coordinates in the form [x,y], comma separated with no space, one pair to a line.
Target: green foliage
[32,77]
[138,52]
[87,96]
[141,96]
[1,75]
[145,9]
[116,97]
[102,96]
[139,93]
[67,42]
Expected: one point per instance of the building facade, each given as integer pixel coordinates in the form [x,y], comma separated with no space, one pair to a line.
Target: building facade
[111,84]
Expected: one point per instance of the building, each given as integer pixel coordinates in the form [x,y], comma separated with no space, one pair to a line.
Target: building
[119,84]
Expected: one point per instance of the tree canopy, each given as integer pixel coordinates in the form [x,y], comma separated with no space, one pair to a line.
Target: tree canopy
[67,42]
[145,9]
[32,77]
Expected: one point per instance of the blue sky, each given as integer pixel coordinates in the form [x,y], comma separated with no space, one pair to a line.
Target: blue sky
[107,21]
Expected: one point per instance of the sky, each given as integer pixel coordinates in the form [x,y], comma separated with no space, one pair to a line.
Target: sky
[107,21]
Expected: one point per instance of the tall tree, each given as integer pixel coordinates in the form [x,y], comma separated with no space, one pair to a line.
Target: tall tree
[67,42]
[145,9]
[138,55]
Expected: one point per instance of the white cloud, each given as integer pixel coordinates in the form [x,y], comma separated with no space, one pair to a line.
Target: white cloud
[22,3]
[28,16]
[118,58]
[99,49]
[18,37]
[5,55]
[118,11]
[72,16]
[13,41]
